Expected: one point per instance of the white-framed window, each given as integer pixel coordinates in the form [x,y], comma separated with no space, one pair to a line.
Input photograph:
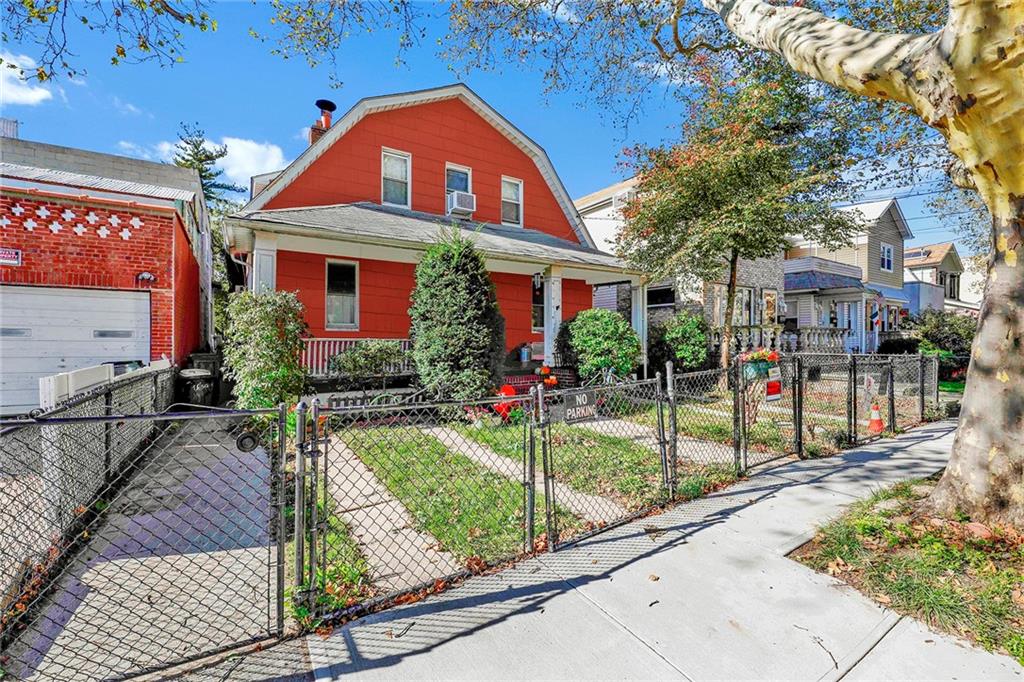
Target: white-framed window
[885,260]
[457,178]
[342,310]
[511,202]
[537,311]
[743,308]
[396,178]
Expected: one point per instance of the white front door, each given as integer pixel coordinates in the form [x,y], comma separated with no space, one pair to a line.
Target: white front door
[48,330]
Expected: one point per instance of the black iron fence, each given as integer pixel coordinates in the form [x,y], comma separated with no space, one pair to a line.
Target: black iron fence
[130,542]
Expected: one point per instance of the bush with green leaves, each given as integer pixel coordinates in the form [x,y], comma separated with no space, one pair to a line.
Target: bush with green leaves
[367,361]
[263,348]
[682,339]
[945,330]
[603,339]
[457,331]
[563,345]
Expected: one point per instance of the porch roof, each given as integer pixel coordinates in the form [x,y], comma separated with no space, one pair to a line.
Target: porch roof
[372,223]
[816,280]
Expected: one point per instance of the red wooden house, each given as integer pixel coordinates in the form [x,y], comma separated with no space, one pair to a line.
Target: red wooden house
[346,222]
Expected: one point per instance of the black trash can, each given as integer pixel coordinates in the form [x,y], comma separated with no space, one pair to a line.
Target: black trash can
[196,386]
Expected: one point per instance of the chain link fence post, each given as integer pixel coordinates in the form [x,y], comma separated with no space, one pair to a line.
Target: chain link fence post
[851,400]
[278,496]
[314,502]
[935,379]
[673,443]
[108,431]
[549,483]
[891,395]
[798,405]
[659,403]
[530,470]
[737,414]
[920,387]
[300,501]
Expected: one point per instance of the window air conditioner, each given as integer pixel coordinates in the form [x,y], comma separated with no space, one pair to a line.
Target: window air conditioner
[461,203]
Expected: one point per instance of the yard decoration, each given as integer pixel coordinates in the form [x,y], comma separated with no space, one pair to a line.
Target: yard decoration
[505,407]
[757,363]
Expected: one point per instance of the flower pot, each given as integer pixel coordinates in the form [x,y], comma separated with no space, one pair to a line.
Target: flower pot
[756,369]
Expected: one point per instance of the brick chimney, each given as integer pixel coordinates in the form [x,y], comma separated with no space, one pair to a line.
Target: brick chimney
[320,126]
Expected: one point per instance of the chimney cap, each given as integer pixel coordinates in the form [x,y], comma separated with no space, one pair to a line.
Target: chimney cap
[326,105]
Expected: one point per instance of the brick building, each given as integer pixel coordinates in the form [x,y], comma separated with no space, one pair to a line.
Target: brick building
[103,259]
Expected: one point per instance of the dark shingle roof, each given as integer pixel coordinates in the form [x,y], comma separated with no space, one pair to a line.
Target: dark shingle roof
[812,279]
[369,222]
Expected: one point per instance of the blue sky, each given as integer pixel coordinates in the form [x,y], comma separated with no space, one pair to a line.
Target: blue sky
[259,104]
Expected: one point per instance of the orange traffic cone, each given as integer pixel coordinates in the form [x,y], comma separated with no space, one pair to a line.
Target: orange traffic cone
[875,424]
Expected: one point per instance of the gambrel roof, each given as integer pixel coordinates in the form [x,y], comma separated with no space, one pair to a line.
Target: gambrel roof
[372,105]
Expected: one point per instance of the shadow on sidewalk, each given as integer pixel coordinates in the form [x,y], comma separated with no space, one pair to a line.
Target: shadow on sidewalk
[381,640]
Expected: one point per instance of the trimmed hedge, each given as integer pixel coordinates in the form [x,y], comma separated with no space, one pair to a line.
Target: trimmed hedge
[457,331]
[602,339]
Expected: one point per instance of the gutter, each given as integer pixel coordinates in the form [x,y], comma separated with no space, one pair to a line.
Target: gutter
[323,233]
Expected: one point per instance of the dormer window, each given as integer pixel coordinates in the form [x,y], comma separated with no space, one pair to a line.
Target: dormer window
[511,202]
[396,170]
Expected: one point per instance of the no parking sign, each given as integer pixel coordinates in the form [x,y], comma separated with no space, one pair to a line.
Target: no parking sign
[773,389]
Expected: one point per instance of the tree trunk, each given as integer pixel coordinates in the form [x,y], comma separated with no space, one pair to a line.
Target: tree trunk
[730,306]
[985,475]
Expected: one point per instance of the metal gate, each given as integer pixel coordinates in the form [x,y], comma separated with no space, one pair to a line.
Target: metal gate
[131,543]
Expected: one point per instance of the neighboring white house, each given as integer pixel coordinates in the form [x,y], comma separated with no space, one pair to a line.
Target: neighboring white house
[938,266]
[758,303]
[853,295]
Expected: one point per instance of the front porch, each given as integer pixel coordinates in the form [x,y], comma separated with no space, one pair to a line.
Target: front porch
[353,268]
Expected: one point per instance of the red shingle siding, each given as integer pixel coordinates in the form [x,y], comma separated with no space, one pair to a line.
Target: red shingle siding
[434,134]
[98,256]
[385,288]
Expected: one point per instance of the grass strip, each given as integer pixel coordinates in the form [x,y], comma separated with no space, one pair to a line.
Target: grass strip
[956,577]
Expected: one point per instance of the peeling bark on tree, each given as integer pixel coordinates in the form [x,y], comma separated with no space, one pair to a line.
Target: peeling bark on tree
[967,82]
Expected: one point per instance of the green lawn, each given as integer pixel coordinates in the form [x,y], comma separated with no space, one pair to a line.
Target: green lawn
[613,467]
[952,386]
[714,424]
[942,574]
[471,511]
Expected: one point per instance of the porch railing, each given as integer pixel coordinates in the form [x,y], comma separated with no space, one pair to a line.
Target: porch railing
[815,340]
[316,356]
[747,337]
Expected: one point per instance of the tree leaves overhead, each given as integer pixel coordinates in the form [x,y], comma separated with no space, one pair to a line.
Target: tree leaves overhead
[755,169]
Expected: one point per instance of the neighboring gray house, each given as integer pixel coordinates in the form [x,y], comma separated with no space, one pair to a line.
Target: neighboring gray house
[932,275]
[759,308]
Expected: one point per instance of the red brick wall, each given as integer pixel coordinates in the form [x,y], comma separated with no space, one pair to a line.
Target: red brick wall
[433,133]
[98,256]
[384,290]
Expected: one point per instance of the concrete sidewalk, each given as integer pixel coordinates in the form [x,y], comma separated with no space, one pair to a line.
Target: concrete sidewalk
[703,591]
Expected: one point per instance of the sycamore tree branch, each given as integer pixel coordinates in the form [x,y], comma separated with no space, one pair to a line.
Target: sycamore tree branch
[863,62]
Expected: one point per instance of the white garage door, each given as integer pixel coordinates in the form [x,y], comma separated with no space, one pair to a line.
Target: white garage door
[48,330]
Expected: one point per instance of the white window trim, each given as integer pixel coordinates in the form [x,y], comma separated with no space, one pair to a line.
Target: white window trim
[340,327]
[459,167]
[536,330]
[892,257]
[408,176]
[501,200]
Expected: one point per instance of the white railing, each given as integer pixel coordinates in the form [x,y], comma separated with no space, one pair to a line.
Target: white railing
[316,356]
[815,340]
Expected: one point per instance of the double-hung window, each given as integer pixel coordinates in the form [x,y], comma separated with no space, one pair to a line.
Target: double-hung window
[457,179]
[512,202]
[396,170]
[342,295]
[885,260]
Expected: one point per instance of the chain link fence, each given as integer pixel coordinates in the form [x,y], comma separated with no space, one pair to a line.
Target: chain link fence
[133,539]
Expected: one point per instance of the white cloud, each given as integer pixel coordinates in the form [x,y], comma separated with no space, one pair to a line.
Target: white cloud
[14,89]
[246,158]
[161,151]
[125,107]
[302,134]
